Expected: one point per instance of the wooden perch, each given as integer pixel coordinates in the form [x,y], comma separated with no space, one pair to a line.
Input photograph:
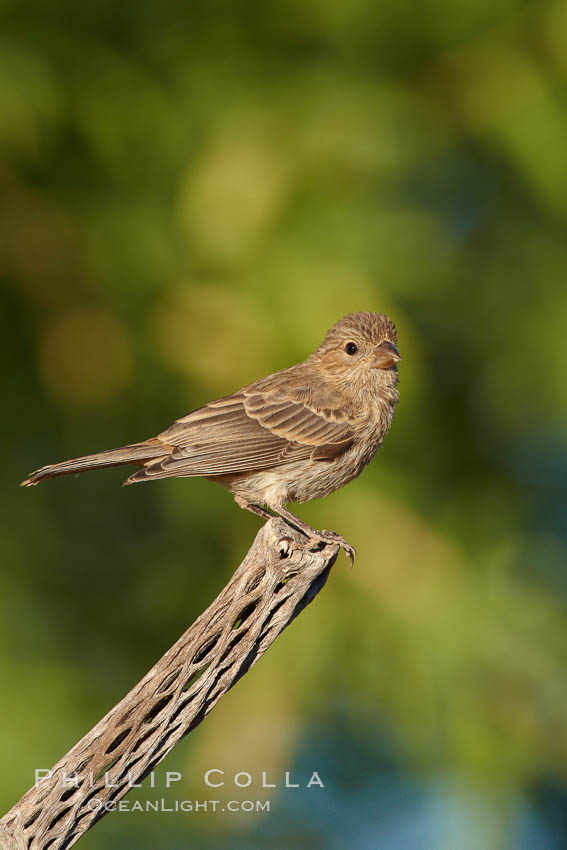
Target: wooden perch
[271,586]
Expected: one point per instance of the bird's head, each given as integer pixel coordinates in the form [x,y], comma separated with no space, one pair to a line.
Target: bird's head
[361,347]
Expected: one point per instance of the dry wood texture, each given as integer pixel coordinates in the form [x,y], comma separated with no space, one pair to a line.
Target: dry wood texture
[273,584]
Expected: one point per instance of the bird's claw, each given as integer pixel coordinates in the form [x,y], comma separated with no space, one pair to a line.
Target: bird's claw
[322,538]
[338,540]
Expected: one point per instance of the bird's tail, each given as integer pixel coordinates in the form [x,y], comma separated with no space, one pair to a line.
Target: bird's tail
[137,453]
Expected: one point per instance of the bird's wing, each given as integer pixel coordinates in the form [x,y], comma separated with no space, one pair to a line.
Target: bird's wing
[327,433]
[248,431]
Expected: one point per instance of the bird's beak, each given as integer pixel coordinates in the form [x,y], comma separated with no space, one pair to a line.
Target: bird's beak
[384,356]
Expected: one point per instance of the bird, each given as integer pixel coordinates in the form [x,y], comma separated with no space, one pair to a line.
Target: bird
[295,435]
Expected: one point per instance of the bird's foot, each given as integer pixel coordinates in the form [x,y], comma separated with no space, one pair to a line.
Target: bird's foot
[337,539]
[314,537]
[319,539]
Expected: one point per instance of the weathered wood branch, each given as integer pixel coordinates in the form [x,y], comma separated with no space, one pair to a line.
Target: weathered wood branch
[271,586]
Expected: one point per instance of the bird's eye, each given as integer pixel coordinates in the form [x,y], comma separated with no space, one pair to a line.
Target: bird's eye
[351,348]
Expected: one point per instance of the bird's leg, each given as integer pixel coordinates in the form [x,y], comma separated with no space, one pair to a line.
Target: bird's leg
[250,506]
[313,534]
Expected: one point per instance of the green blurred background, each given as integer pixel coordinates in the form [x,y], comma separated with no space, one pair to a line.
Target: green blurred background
[190,195]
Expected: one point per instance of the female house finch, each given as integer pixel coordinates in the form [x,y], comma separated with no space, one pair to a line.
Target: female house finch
[296,435]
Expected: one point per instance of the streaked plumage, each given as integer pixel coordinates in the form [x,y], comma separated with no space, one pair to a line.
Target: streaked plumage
[296,435]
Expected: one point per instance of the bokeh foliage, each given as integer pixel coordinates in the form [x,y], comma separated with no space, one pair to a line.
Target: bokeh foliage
[190,194]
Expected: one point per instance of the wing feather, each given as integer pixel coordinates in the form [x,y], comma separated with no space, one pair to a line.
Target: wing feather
[248,431]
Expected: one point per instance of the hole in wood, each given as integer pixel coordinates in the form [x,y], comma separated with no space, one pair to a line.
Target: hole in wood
[125,717]
[285,546]
[283,582]
[245,614]
[141,739]
[116,792]
[272,613]
[169,733]
[195,676]
[180,709]
[107,767]
[59,816]
[154,763]
[157,708]
[168,681]
[204,650]
[254,581]
[234,642]
[85,809]
[82,764]
[67,794]
[32,818]
[118,740]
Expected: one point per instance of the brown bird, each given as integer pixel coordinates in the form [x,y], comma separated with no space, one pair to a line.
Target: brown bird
[296,435]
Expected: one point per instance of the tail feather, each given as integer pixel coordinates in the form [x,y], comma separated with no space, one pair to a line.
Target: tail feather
[137,453]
